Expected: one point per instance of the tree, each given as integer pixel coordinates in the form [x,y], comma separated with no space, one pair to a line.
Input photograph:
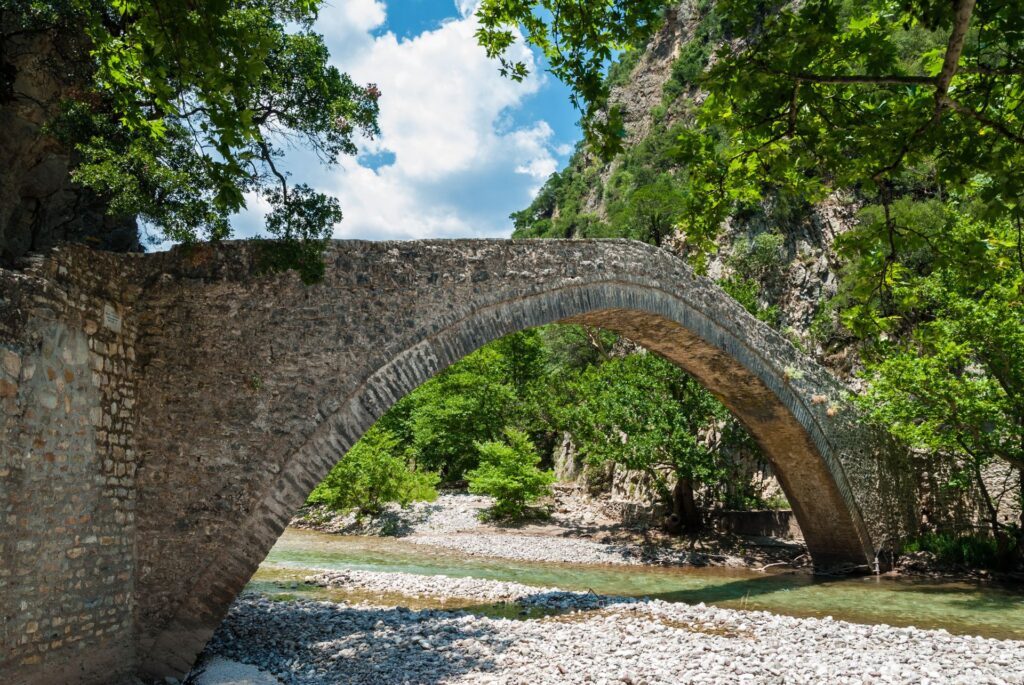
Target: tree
[578,40]
[651,212]
[829,95]
[508,472]
[183,108]
[817,96]
[375,471]
[468,403]
[947,326]
[647,414]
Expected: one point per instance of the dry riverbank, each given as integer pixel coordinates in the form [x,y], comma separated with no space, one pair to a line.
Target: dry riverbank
[604,640]
[577,531]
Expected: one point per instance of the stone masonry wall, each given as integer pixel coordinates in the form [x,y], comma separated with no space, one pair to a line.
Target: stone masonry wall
[67,465]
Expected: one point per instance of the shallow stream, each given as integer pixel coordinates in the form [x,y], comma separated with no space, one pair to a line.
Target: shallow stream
[959,607]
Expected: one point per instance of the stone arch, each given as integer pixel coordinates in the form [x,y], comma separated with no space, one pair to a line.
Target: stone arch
[835,472]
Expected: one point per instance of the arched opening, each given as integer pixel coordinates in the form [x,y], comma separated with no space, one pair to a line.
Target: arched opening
[586,407]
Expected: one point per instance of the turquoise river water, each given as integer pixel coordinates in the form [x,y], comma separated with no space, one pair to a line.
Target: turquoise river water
[959,607]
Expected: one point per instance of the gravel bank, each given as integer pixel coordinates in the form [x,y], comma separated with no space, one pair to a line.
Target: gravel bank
[318,643]
[452,522]
[559,549]
[449,513]
[489,591]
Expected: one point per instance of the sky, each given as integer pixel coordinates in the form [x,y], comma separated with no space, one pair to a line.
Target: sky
[460,146]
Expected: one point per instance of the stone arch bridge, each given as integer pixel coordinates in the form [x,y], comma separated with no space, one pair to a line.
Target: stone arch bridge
[165,415]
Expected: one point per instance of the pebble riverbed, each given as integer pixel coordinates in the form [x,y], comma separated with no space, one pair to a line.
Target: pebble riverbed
[614,641]
[589,638]
[565,550]
[452,522]
[446,587]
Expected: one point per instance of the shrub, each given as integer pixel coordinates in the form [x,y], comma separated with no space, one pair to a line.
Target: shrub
[508,472]
[759,258]
[373,473]
[972,551]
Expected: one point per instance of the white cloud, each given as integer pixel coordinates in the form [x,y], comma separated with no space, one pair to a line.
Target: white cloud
[536,143]
[444,115]
[346,25]
[467,7]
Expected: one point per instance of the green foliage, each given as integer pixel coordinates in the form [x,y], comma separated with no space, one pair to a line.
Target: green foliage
[746,291]
[559,209]
[862,95]
[826,330]
[647,414]
[508,472]
[578,40]
[571,349]
[911,109]
[650,212]
[776,502]
[971,551]
[470,402]
[946,323]
[695,54]
[374,472]
[489,416]
[829,95]
[622,68]
[755,263]
[759,257]
[185,109]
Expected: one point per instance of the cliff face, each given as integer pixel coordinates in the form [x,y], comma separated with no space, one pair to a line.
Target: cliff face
[653,90]
[39,204]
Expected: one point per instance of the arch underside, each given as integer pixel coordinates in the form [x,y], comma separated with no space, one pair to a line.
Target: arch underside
[769,386]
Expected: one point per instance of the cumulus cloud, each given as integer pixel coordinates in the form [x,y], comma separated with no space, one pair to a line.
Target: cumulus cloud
[456,164]
[347,25]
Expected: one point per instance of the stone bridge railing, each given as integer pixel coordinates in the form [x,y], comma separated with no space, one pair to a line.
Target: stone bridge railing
[165,415]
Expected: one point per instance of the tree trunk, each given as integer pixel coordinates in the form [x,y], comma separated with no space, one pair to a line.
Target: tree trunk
[1020,522]
[1004,543]
[685,508]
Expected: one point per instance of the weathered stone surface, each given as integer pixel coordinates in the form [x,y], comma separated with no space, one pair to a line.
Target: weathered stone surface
[66,598]
[201,426]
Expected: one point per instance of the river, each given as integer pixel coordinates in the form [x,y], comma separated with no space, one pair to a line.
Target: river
[959,607]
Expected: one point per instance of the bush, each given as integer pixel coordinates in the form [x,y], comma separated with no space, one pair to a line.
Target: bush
[759,258]
[373,473]
[508,472]
[972,551]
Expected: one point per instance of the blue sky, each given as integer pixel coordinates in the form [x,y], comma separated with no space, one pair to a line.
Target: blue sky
[460,147]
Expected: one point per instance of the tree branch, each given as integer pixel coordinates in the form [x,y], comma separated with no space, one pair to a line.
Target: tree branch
[273,168]
[889,80]
[960,108]
[954,49]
